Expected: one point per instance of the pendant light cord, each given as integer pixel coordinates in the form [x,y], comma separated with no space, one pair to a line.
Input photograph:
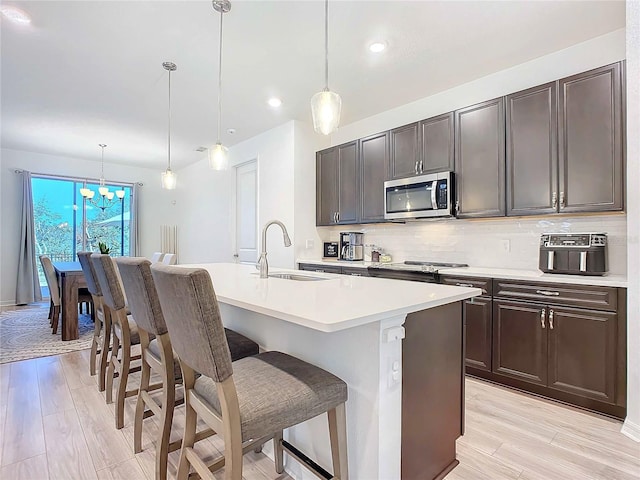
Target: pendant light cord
[169,131]
[220,80]
[102,165]
[326,45]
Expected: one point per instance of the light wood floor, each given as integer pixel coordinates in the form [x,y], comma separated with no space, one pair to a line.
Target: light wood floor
[55,424]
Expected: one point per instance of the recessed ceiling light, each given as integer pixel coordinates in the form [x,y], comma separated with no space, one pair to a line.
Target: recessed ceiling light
[274,102]
[15,15]
[377,47]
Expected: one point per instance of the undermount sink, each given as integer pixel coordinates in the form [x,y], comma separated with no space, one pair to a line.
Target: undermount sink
[294,276]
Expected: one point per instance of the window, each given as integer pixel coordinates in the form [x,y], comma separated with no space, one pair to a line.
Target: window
[66,223]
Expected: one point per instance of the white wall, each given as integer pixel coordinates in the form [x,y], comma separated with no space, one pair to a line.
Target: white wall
[286,192]
[155,207]
[632,424]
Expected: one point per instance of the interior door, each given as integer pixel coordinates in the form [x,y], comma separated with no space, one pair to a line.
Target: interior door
[247,213]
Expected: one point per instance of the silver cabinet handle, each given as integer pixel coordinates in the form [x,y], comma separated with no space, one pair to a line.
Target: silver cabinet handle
[543,314]
[319,270]
[338,217]
[551,319]
[548,293]
[562,202]
[355,274]
[415,167]
[554,200]
[421,166]
[464,285]
[457,207]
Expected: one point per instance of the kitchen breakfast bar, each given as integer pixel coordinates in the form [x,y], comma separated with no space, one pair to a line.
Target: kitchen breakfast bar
[398,346]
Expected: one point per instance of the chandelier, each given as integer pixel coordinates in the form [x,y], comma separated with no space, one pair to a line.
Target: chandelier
[106,199]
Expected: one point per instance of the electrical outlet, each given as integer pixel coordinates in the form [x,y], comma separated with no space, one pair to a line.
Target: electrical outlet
[506,245]
[309,243]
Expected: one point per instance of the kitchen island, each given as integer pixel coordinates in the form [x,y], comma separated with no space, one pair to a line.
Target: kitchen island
[353,327]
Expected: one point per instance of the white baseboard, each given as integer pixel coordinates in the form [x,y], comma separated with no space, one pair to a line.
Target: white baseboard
[631,430]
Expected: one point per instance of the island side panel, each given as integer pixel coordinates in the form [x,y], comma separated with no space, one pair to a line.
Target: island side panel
[357,355]
[432,391]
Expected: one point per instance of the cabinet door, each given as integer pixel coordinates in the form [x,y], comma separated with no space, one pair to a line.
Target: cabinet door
[591,141]
[404,151]
[477,317]
[348,183]
[374,159]
[520,341]
[437,144]
[327,186]
[582,352]
[532,160]
[480,164]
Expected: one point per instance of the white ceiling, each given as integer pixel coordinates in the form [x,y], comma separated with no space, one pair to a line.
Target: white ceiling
[89,72]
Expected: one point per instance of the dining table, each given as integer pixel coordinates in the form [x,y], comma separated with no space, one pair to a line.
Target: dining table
[71,279]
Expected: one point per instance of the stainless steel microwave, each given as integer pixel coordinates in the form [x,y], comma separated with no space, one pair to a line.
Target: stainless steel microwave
[423,196]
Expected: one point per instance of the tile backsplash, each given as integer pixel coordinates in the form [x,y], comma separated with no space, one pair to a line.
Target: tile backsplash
[498,243]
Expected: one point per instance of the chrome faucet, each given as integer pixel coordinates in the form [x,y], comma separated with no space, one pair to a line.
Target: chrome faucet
[263,265]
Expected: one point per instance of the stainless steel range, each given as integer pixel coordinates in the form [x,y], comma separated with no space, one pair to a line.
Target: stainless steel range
[418,271]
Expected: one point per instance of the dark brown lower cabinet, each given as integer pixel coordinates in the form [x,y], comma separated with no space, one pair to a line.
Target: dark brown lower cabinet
[582,352]
[520,341]
[477,317]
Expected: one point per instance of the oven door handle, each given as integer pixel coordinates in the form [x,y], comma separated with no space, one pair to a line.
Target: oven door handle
[434,201]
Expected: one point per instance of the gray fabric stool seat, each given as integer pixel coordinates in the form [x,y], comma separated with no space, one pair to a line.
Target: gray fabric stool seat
[158,356]
[249,401]
[265,381]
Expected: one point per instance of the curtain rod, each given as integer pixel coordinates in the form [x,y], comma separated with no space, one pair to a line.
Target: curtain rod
[86,179]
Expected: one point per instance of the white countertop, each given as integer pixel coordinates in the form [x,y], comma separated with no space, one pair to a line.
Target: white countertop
[504,273]
[337,303]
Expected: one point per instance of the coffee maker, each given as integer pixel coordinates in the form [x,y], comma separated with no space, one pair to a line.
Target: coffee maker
[351,246]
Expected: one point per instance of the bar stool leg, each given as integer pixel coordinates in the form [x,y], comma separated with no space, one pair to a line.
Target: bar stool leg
[278,452]
[338,438]
[121,394]
[166,418]
[111,369]
[104,352]
[139,415]
[189,437]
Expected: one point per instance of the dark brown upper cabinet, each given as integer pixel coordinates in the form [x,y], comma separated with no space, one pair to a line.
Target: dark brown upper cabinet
[532,146]
[337,185]
[405,153]
[374,160]
[591,141]
[479,160]
[436,144]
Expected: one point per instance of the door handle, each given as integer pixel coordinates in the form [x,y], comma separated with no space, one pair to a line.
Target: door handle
[551,319]
[543,314]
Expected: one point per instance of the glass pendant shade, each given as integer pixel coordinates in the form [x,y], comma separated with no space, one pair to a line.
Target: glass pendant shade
[169,180]
[120,193]
[91,194]
[325,110]
[218,157]
[85,192]
[110,195]
[103,191]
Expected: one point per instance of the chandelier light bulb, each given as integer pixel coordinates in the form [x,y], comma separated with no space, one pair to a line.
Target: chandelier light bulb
[103,191]
[218,157]
[120,194]
[91,194]
[85,192]
[325,110]
[169,180]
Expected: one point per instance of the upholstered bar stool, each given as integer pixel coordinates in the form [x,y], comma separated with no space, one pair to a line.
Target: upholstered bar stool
[54,291]
[248,402]
[125,334]
[158,357]
[102,321]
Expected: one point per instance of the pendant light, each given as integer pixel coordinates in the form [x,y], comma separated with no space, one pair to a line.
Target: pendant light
[169,179]
[218,156]
[326,105]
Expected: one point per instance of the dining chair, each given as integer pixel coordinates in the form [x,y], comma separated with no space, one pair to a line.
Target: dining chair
[124,330]
[158,357]
[169,259]
[248,401]
[157,257]
[102,321]
[54,291]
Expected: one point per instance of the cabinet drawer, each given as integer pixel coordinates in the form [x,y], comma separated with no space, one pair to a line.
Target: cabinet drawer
[320,268]
[475,282]
[358,272]
[586,296]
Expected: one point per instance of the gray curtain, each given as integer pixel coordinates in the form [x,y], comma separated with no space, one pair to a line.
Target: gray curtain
[28,285]
[134,234]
